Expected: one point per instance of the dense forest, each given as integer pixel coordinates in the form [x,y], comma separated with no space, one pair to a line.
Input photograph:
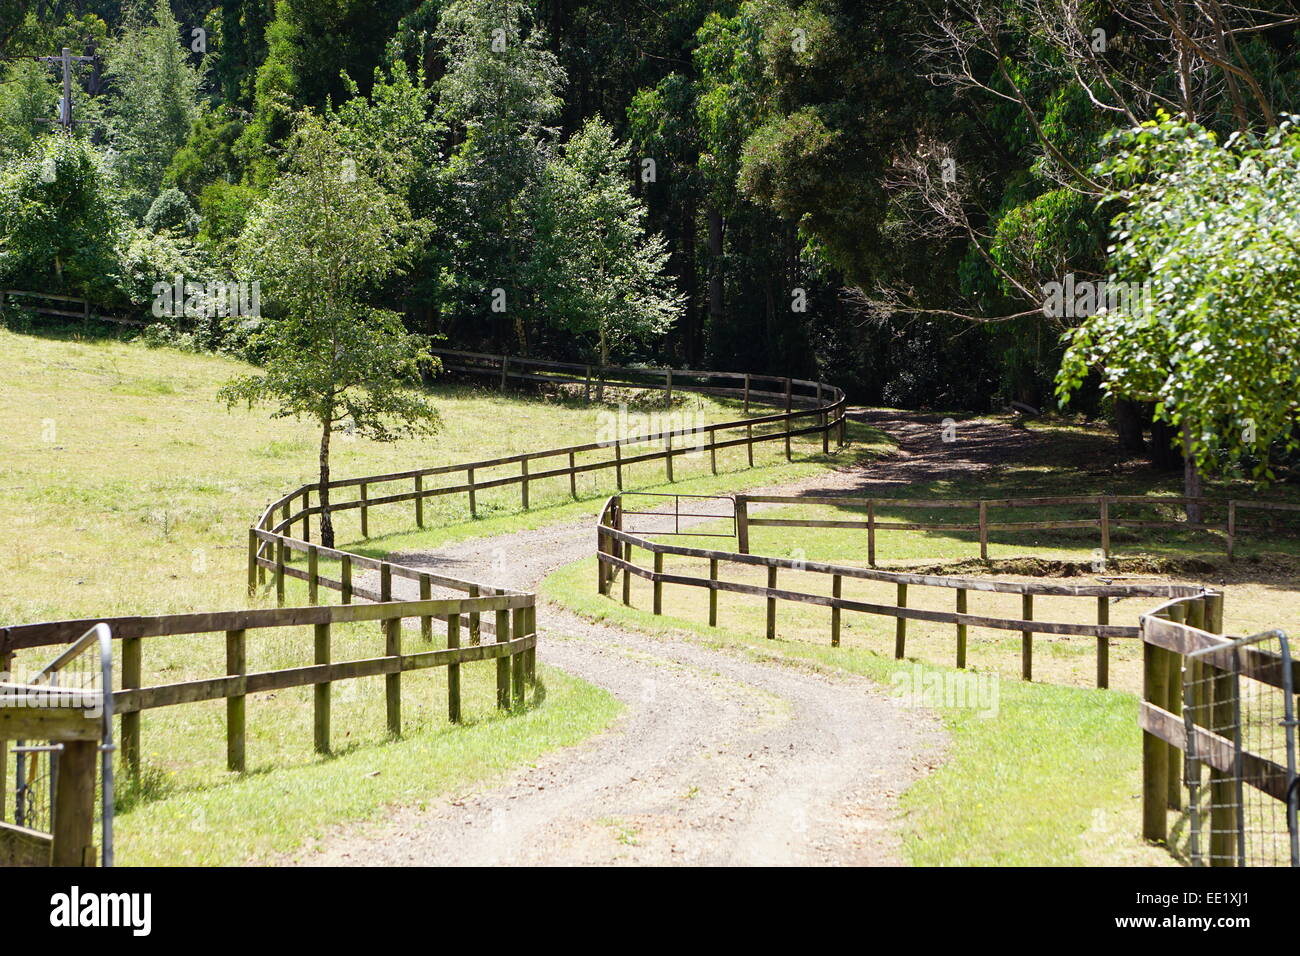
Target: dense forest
[888,195]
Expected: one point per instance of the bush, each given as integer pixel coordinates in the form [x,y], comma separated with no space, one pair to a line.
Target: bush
[172,212]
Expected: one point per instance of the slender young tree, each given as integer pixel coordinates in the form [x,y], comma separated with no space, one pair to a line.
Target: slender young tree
[597,271]
[324,235]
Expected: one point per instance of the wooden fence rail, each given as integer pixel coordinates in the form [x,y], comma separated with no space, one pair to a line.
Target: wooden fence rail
[614,552]
[1104,523]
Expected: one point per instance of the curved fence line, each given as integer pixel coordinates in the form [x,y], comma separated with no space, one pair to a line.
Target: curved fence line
[614,550]
[506,613]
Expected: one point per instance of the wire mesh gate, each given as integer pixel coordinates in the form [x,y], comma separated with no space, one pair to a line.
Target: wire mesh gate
[675,512]
[78,680]
[1240,761]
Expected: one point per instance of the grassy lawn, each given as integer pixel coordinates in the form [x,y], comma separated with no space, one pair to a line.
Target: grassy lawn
[1047,776]
[127,489]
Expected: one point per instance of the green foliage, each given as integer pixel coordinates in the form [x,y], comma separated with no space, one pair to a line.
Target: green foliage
[601,276]
[59,220]
[155,100]
[1215,341]
[27,95]
[325,232]
[173,212]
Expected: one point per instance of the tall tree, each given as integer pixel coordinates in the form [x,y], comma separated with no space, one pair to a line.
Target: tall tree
[599,274]
[326,232]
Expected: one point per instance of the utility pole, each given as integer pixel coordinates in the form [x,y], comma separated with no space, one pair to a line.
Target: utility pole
[66,59]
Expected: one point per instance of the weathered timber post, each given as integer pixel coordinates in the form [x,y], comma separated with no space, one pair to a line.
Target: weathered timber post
[321,690]
[236,665]
[453,670]
[900,623]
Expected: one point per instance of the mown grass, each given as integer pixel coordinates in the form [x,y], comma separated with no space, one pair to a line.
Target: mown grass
[126,488]
[1049,778]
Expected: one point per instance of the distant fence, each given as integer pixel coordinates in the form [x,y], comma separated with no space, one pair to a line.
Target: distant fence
[1219,728]
[40,305]
[615,553]
[1103,523]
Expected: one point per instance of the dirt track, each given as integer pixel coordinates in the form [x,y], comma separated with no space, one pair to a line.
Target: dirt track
[718,759]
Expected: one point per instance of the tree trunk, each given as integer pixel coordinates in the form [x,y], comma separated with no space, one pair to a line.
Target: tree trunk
[1191,477]
[604,360]
[1128,423]
[326,522]
[717,308]
[1165,454]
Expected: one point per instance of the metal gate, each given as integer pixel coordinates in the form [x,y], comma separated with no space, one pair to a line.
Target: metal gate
[670,517]
[1240,766]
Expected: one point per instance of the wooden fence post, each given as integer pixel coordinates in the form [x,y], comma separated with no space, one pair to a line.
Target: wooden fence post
[627,578]
[771,603]
[453,670]
[1232,527]
[252,561]
[837,587]
[523,481]
[747,397]
[503,662]
[1223,812]
[618,464]
[321,691]
[1174,704]
[1027,638]
[871,533]
[306,518]
[659,585]
[365,512]
[900,624]
[519,628]
[313,575]
[72,805]
[713,450]
[132,661]
[984,531]
[1103,644]
[668,386]
[345,575]
[573,478]
[713,592]
[475,625]
[1155,753]
[668,454]
[419,501]
[961,629]
[789,409]
[473,505]
[505,364]
[742,524]
[586,389]
[749,443]
[392,648]
[1105,529]
[426,621]
[236,664]
[279,572]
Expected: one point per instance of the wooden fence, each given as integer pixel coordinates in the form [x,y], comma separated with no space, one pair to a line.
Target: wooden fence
[824,417]
[1103,523]
[614,552]
[508,615]
[60,307]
